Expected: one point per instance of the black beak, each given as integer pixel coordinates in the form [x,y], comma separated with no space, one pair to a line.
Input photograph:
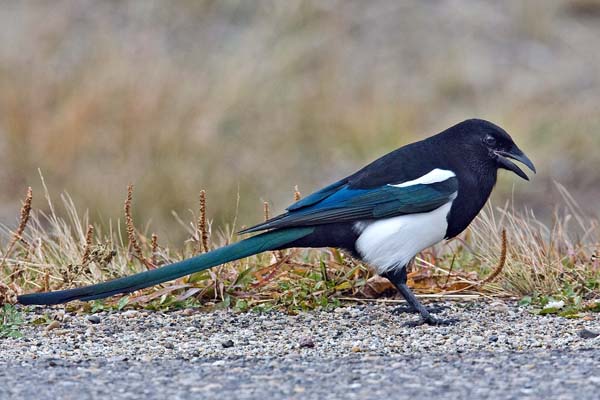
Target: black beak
[516,154]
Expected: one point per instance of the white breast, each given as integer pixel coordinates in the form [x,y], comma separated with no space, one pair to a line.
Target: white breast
[391,243]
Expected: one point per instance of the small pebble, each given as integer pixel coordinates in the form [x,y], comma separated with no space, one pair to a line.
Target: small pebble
[477,338]
[130,313]
[299,389]
[94,319]
[587,334]
[498,307]
[227,344]
[307,342]
[52,325]
[59,315]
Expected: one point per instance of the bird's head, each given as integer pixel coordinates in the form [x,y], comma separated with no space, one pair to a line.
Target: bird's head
[490,143]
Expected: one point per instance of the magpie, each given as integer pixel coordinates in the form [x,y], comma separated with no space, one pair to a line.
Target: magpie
[384,214]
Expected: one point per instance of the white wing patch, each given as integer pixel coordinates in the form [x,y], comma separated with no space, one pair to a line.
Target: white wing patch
[391,243]
[434,176]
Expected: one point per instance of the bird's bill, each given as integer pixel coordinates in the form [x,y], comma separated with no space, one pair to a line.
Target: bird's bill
[516,154]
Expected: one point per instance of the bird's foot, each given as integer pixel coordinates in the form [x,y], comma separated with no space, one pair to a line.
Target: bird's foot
[411,310]
[429,320]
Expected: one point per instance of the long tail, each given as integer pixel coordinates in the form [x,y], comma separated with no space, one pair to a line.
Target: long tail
[254,245]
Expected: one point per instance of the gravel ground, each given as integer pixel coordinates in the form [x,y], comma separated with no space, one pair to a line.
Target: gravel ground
[496,350]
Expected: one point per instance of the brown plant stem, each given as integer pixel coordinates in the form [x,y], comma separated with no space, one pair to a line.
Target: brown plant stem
[501,262]
[297,194]
[131,233]
[266,210]
[154,246]
[201,227]
[89,237]
[23,219]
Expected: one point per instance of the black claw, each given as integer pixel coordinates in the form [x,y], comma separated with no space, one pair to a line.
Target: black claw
[436,309]
[411,310]
[432,321]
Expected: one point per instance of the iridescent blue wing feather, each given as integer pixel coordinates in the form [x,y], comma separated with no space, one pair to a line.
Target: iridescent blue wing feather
[344,204]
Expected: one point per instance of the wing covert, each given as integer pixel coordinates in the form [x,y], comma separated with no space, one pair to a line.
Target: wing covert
[348,205]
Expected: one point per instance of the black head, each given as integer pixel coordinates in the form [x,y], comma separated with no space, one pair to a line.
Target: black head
[489,145]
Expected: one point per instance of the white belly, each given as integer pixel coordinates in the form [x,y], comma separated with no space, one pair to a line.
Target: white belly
[391,243]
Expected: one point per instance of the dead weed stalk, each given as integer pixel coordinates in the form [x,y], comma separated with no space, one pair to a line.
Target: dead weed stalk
[131,231]
[23,219]
[201,226]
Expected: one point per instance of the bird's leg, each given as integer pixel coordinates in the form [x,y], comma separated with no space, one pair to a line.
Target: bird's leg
[398,278]
[409,309]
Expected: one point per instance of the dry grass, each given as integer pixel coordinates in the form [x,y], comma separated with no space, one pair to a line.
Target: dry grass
[536,260]
[544,260]
[231,97]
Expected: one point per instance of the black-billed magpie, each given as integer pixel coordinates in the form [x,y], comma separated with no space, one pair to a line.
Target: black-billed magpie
[384,214]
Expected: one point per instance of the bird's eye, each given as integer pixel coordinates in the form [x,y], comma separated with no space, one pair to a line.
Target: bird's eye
[489,140]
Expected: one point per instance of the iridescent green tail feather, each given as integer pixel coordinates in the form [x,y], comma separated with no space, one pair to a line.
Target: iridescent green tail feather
[254,245]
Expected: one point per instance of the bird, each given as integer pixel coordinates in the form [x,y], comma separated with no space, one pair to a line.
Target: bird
[384,214]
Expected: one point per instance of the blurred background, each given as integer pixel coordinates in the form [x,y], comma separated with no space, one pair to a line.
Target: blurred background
[255,97]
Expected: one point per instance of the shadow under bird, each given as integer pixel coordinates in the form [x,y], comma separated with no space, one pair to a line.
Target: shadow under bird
[384,214]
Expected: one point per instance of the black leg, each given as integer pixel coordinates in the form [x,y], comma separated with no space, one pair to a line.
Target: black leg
[398,278]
